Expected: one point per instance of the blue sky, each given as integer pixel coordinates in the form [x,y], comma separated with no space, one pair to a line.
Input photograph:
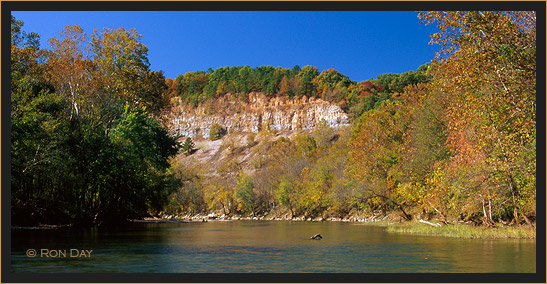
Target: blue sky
[360,44]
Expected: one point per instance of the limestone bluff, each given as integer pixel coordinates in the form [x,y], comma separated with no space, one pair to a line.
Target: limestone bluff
[259,112]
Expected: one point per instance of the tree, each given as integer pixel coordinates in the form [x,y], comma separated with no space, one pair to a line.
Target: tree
[216,132]
[219,197]
[69,65]
[40,162]
[191,194]
[188,146]
[323,134]
[155,90]
[244,193]
[374,153]
[488,68]
[20,39]
[124,70]
[107,163]
[424,140]
[286,195]
[331,78]
[313,187]
[423,152]
[139,149]
[306,76]
[284,87]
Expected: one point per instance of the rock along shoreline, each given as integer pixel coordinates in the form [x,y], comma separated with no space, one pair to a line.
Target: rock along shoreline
[286,217]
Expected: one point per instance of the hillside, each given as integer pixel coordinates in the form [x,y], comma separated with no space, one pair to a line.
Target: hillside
[249,126]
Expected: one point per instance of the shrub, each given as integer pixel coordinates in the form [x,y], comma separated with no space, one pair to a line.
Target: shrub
[231,144]
[216,132]
[188,146]
[251,140]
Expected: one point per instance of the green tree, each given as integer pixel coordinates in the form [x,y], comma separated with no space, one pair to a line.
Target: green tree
[244,193]
[138,149]
[188,146]
[306,76]
[20,39]
[286,195]
[332,78]
[69,166]
[40,163]
[39,137]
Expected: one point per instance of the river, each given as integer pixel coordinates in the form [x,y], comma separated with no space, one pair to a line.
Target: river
[261,246]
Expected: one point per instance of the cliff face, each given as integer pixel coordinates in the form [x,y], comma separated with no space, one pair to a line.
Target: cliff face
[261,112]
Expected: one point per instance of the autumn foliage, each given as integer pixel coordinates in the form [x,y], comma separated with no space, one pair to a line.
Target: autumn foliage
[330,85]
[454,140]
[461,146]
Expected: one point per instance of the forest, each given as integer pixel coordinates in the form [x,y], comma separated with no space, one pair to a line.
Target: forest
[354,98]
[85,147]
[454,140]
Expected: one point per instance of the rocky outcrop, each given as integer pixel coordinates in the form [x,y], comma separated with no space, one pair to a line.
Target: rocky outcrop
[260,112]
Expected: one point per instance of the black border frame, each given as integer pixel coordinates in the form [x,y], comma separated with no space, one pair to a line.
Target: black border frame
[7,276]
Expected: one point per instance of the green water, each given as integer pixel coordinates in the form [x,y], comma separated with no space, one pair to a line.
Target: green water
[262,246]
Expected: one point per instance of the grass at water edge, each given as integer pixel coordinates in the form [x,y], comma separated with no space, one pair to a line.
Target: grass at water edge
[464,231]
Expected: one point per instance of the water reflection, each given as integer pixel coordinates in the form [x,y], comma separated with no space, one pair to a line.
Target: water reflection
[255,246]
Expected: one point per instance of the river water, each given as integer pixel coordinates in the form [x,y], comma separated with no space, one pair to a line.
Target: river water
[261,246]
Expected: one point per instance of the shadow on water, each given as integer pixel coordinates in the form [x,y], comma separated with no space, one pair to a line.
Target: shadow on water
[264,246]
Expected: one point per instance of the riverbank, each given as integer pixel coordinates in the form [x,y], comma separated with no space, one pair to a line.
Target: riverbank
[465,231]
[273,217]
[392,223]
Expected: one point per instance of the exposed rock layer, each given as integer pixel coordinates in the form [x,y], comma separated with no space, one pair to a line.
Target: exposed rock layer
[260,112]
